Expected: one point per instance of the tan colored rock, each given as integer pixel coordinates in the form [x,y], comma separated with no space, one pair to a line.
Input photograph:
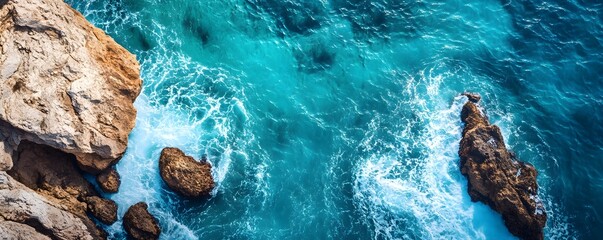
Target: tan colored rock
[64,83]
[109,180]
[496,178]
[18,231]
[185,175]
[20,204]
[140,224]
[52,173]
[102,209]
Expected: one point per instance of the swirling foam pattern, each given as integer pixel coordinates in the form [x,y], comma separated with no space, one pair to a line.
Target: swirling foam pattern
[339,119]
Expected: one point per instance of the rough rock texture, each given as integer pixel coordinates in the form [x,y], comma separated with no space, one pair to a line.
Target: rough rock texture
[19,204]
[64,83]
[109,180]
[497,178]
[52,173]
[18,231]
[185,175]
[140,224]
[66,103]
[104,210]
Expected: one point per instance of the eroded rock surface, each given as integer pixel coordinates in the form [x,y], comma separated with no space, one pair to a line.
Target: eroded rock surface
[66,104]
[185,175]
[18,231]
[497,178]
[109,180]
[102,209]
[140,224]
[21,205]
[53,173]
[64,83]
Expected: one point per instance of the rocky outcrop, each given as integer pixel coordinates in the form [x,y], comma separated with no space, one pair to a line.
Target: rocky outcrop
[140,224]
[185,175]
[18,231]
[66,105]
[53,173]
[21,205]
[64,84]
[109,180]
[496,178]
[102,209]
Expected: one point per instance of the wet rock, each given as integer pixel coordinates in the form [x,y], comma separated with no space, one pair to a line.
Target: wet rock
[64,84]
[140,224]
[109,180]
[497,178]
[473,97]
[102,209]
[184,175]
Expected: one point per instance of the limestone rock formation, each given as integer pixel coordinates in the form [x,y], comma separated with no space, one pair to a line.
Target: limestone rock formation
[102,209]
[21,205]
[18,231]
[185,175]
[66,104]
[109,180]
[497,178]
[53,173]
[140,224]
[64,84]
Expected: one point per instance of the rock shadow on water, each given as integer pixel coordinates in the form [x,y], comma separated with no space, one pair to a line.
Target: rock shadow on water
[292,18]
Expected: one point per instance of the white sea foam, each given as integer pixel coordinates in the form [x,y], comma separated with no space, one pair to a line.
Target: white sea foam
[399,190]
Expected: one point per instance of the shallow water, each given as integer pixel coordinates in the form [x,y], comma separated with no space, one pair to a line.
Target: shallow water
[339,119]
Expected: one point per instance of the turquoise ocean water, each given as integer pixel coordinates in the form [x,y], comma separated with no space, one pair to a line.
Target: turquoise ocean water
[339,119]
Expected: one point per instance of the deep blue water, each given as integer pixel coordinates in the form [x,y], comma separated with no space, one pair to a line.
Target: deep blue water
[339,119]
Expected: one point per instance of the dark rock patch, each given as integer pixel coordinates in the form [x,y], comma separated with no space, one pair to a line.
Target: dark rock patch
[193,25]
[140,224]
[109,180]
[301,17]
[317,58]
[105,210]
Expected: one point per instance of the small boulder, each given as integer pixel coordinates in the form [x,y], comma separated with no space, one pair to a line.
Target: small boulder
[102,209]
[473,97]
[140,224]
[184,175]
[109,180]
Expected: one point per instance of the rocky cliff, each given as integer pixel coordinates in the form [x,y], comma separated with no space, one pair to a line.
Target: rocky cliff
[66,106]
[64,84]
[496,178]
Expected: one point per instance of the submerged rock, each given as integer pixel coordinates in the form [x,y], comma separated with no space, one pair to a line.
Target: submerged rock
[64,84]
[102,209]
[496,178]
[185,175]
[140,224]
[109,180]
